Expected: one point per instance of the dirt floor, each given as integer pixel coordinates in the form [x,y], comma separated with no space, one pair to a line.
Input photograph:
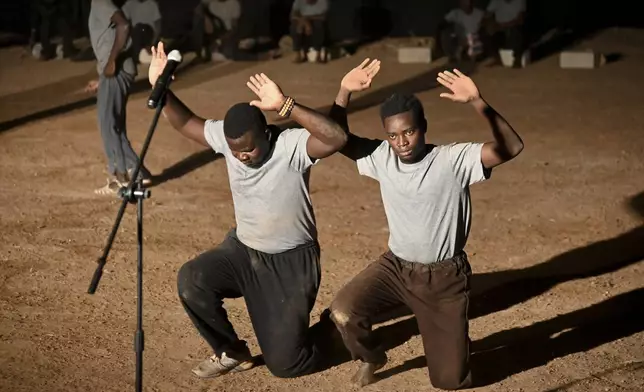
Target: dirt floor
[556,246]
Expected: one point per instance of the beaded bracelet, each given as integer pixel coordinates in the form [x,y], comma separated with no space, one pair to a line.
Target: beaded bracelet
[287,107]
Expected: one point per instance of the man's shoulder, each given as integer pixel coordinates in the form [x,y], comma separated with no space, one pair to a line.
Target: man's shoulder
[288,133]
[104,8]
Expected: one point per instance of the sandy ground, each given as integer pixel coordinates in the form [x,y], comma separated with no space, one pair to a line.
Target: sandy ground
[556,244]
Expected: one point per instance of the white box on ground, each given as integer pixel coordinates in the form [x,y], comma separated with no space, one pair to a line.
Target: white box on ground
[418,54]
[580,59]
[507,58]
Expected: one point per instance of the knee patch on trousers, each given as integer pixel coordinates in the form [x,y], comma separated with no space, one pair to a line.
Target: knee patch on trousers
[339,317]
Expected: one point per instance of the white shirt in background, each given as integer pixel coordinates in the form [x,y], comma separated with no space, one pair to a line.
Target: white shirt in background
[470,23]
[305,9]
[143,12]
[227,11]
[506,11]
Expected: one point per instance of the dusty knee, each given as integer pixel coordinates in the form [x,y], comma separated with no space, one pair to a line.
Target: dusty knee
[340,312]
[185,282]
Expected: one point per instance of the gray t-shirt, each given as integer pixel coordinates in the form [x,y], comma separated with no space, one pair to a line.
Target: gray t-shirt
[427,203]
[102,34]
[320,7]
[273,208]
[142,12]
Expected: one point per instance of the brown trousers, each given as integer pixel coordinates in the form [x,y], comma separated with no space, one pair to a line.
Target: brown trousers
[437,294]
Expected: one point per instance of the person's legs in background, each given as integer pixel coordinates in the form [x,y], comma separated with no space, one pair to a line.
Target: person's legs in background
[317,39]
[515,40]
[201,42]
[449,43]
[299,39]
[142,39]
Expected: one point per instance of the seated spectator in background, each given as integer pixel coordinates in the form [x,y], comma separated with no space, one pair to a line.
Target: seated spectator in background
[45,17]
[145,18]
[308,27]
[220,18]
[463,32]
[506,21]
[182,26]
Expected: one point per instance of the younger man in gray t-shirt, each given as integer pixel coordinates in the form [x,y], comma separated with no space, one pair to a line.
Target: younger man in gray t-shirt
[425,193]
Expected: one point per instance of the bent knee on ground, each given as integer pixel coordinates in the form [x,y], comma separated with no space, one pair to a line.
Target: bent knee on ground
[341,312]
[293,364]
[450,381]
[185,282]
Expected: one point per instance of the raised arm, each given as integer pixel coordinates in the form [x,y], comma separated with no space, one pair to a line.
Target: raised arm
[356,80]
[327,136]
[180,117]
[507,144]
[122,28]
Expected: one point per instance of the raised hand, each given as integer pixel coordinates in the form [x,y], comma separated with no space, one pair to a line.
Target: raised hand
[92,87]
[159,60]
[359,78]
[269,94]
[461,86]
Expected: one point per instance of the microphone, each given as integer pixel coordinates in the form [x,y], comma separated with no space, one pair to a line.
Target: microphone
[174,59]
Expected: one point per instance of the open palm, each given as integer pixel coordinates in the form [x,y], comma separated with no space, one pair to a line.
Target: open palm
[461,86]
[360,77]
[269,94]
[159,60]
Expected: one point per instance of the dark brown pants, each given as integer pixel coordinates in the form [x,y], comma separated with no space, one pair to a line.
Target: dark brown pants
[436,293]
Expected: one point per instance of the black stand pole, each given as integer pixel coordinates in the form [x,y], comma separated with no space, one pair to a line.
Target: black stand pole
[135,192]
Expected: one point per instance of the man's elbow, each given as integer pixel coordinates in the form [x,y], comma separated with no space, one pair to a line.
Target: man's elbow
[341,141]
[123,29]
[513,151]
[518,148]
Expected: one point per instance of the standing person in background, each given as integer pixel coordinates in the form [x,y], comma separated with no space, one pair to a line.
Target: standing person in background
[109,32]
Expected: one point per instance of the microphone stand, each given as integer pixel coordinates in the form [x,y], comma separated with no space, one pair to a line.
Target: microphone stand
[135,192]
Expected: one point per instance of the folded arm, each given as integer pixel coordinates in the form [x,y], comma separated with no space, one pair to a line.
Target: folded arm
[356,147]
[122,27]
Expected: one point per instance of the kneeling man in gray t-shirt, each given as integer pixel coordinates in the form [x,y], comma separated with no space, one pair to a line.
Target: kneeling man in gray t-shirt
[425,193]
[272,257]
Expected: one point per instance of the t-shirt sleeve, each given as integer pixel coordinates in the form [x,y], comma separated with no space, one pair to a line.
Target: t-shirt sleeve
[294,143]
[235,12]
[465,159]
[370,165]
[451,16]
[324,6]
[105,8]
[213,131]
[493,6]
[127,9]
[297,6]
[155,13]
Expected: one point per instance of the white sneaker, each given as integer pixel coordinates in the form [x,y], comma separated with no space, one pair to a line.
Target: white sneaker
[215,366]
[218,57]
